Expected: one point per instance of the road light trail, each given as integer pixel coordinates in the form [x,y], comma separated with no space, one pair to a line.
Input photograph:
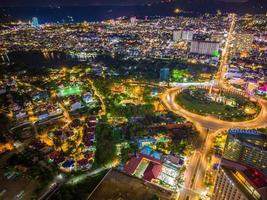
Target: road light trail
[194,178]
[168,99]
[216,125]
[225,53]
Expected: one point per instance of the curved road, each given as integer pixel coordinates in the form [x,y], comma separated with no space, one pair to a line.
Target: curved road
[168,98]
[195,171]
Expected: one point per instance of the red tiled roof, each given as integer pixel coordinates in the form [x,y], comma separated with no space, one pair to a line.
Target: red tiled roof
[253,175]
[92,118]
[59,159]
[88,155]
[131,165]
[82,162]
[152,171]
[256,177]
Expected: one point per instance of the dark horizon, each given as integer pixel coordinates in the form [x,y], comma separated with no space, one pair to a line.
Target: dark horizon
[55,3]
[81,12]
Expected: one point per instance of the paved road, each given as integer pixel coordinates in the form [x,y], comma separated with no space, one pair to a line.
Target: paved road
[197,166]
[195,172]
[168,98]
[215,125]
[226,52]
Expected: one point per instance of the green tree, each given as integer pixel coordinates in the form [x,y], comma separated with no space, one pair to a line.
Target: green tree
[177,75]
[105,144]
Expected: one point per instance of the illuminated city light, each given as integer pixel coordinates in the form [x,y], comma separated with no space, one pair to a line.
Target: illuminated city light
[69,91]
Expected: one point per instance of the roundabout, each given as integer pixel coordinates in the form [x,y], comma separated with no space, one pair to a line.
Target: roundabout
[211,122]
[208,127]
[219,103]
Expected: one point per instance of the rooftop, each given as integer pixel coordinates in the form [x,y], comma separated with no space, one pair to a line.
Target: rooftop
[152,171]
[132,164]
[147,151]
[246,178]
[250,137]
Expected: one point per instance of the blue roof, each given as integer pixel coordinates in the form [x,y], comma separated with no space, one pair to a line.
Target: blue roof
[150,152]
[246,134]
[68,163]
[146,151]
[156,155]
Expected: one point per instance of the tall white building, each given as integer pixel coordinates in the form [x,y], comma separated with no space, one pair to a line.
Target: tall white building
[239,182]
[204,47]
[177,35]
[182,35]
[133,20]
[35,22]
[187,35]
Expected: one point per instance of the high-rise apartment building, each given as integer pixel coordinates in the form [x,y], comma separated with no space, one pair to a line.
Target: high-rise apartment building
[187,35]
[133,20]
[35,22]
[248,147]
[182,35]
[204,47]
[239,182]
[164,74]
[177,35]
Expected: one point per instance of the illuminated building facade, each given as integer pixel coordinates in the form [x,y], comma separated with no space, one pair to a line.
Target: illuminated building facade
[204,47]
[177,35]
[35,22]
[133,20]
[182,35]
[187,35]
[164,74]
[248,147]
[239,182]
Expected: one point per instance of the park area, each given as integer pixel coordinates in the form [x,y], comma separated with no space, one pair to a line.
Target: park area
[220,104]
[75,90]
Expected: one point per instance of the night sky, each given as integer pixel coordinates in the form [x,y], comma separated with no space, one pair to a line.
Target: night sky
[237,6]
[102,2]
[71,2]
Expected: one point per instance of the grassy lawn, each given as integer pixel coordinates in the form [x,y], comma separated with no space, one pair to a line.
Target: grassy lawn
[219,110]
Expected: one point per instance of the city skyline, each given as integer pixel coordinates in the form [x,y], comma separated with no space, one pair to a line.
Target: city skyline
[133,102]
